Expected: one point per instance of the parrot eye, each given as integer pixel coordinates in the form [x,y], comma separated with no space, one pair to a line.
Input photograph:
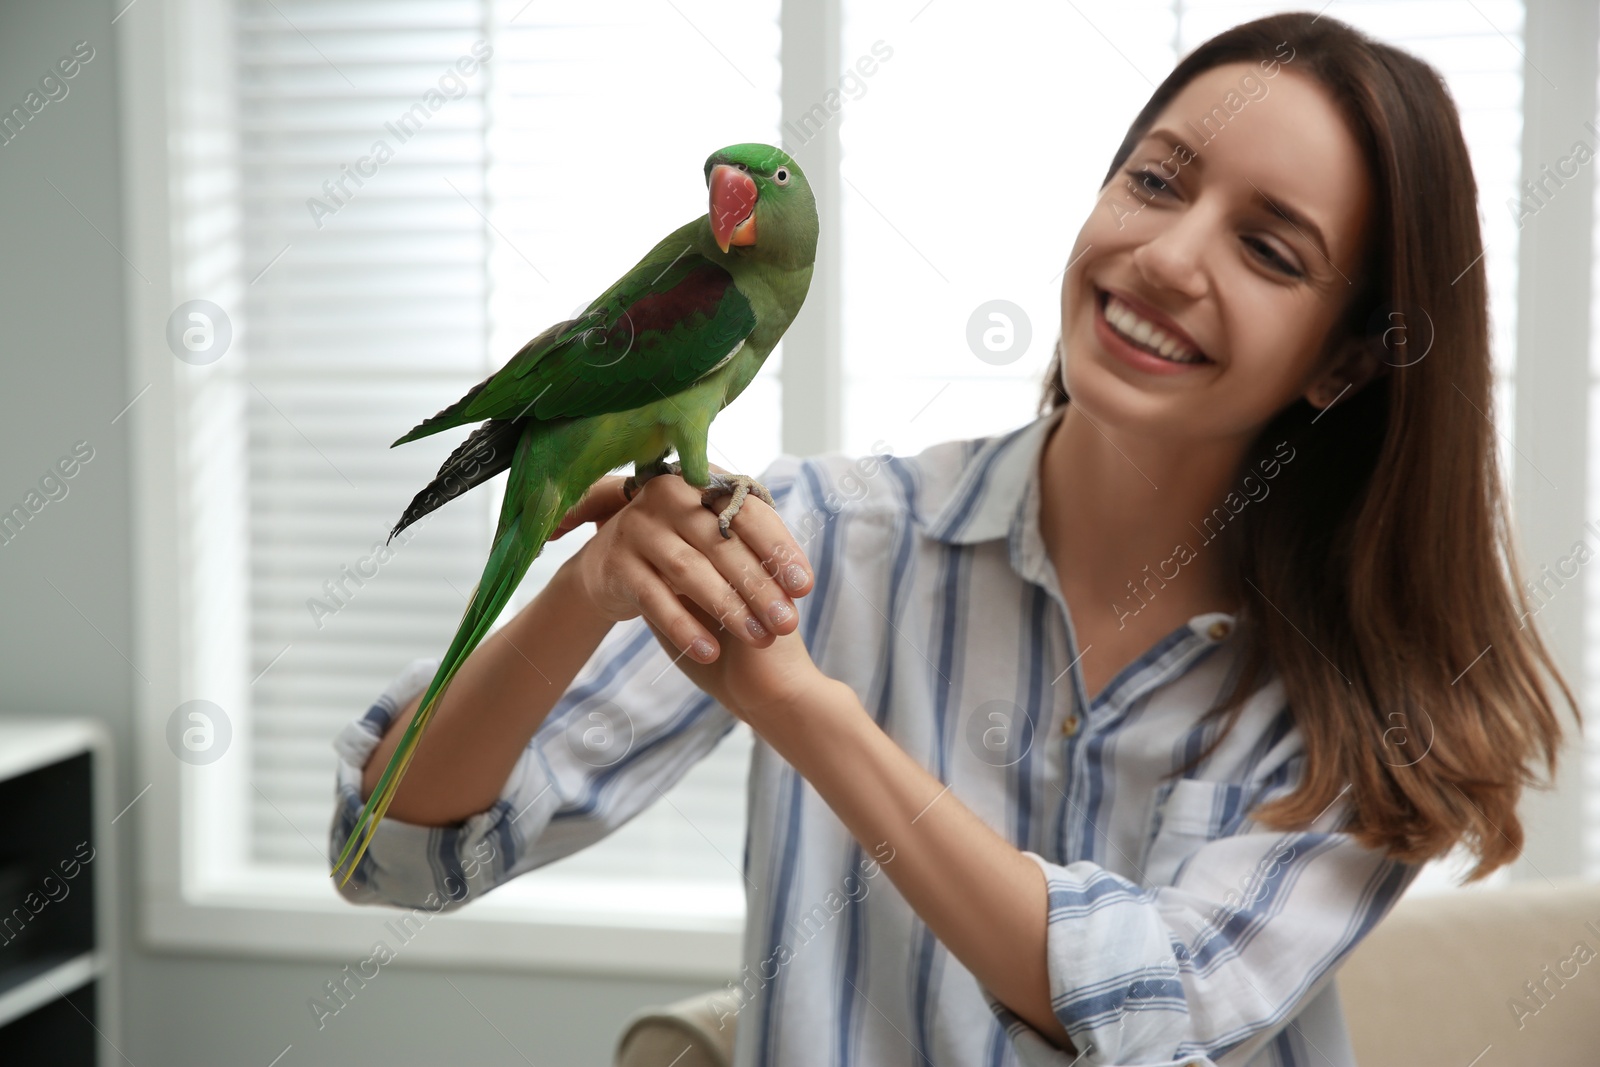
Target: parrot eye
[781,176]
[741,166]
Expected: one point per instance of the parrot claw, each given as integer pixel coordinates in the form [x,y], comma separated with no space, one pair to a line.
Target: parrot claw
[635,481]
[738,486]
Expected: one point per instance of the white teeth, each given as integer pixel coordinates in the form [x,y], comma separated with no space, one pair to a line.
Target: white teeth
[1130,325]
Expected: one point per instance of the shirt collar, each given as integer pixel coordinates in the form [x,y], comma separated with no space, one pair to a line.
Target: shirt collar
[990,494]
[997,494]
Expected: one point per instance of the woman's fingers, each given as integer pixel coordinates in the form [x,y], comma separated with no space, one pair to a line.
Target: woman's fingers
[664,613]
[742,568]
[667,642]
[688,571]
[782,570]
[603,500]
[665,544]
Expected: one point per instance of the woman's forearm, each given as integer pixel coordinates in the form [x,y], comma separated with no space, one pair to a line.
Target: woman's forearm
[498,698]
[980,895]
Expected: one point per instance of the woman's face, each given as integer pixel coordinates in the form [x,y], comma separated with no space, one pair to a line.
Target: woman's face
[1231,242]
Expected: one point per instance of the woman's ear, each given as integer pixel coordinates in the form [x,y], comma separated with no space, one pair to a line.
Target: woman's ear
[1357,361]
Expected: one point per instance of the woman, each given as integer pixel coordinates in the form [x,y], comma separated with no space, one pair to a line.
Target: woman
[1149,709]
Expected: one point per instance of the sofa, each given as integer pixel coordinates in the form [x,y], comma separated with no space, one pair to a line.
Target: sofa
[1475,978]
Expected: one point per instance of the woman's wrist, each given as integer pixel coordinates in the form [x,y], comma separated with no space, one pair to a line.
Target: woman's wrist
[811,712]
[568,589]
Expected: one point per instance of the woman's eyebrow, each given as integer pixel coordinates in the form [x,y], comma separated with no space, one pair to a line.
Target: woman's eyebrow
[1177,144]
[1298,219]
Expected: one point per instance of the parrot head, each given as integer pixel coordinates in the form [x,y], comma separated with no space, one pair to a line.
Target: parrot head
[760,200]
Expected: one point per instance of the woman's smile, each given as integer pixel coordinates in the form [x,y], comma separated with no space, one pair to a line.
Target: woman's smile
[1143,338]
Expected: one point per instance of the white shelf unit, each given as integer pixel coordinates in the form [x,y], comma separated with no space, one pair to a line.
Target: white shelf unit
[58,1001]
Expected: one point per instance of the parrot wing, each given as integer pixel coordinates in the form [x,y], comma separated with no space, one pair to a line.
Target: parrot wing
[653,334]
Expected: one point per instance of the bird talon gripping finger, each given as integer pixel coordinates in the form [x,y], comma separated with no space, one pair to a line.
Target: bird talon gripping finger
[683,333]
[738,486]
[635,481]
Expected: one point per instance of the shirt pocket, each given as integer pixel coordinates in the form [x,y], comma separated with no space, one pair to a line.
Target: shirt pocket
[1193,812]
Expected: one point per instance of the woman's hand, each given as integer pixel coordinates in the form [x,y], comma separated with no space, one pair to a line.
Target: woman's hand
[754,683]
[662,552]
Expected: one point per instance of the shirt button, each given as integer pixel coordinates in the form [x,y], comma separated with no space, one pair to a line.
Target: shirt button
[1218,631]
[1069,726]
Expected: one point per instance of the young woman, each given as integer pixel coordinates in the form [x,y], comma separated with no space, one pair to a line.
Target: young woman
[1149,709]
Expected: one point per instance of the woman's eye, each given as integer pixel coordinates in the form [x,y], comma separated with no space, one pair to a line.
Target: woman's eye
[1273,258]
[1150,183]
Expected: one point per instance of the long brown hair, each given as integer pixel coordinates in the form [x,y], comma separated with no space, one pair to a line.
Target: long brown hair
[1382,583]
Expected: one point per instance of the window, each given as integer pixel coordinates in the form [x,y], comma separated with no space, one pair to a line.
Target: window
[529,155]
[486,134]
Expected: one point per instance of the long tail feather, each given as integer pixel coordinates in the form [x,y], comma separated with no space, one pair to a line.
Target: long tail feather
[481,456]
[526,520]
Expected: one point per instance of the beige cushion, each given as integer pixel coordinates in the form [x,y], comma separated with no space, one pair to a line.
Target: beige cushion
[684,1034]
[1437,981]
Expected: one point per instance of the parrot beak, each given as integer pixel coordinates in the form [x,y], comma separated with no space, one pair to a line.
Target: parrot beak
[733,206]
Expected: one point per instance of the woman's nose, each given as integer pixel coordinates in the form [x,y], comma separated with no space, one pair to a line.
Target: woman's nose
[1174,257]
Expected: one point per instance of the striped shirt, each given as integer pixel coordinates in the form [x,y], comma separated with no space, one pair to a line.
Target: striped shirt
[1179,930]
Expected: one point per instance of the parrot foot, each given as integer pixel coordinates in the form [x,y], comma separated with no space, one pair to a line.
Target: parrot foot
[738,486]
[641,474]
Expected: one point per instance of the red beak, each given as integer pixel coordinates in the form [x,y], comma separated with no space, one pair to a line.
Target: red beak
[733,205]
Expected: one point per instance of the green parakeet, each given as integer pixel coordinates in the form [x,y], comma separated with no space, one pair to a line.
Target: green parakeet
[638,375]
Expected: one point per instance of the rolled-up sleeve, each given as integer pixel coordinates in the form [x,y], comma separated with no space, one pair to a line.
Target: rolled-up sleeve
[1207,968]
[627,729]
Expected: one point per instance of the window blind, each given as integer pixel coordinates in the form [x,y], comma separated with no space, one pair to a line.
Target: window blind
[425,186]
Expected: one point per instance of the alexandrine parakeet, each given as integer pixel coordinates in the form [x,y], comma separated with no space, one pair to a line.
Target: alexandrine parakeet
[639,374]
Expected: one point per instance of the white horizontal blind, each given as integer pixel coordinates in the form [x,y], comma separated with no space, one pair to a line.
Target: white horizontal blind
[362,313]
[575,146]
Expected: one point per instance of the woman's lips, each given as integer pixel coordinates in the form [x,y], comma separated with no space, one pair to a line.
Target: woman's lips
[1134,355]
